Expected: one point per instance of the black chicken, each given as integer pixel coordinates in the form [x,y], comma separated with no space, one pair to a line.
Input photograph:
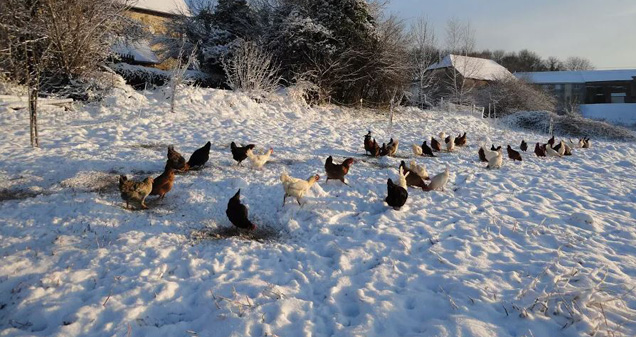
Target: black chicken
[524,145]
[237,213]
[240,153]
[396,195]
[200,156]
[427,151]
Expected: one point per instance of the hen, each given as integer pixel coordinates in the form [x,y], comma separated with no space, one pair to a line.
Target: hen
[200,156]
[375,149]
[419,170]
[482,154]
[461,140]
[368,144]
[163,183]
[539,150]
[417,150]
[524,146]
[258,160]
[176,160]
[550,152]
[427,151]
[435,145]
[495,162]
[450,144]
[295,187]
[237,213]
[135,191]
[439,181]
[240,153]
[396,194]
[338,171]
[411,178]
[514,155]
[392,147]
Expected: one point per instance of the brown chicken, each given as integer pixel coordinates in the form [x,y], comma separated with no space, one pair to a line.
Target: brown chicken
[435,145]
[163,183]
[514,155]
[539,150]
[412,179]
[176,160]
[375,149]
[461,140]
[135,191]
[338,171]
[368,144]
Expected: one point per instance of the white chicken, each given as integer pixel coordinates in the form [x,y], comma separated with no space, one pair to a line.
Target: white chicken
[258,160]
[402,178]
[439,181]
[562,149]
[489,154]
[417,150]
[442,135]
[450,146]
[419,170]
[550,152]
[295,187]
[495,162]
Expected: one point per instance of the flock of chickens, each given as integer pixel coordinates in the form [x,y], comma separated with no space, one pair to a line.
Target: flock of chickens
[412,175]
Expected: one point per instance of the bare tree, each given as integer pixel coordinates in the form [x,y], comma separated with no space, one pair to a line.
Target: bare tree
[425,52]
[251,68]
[178,72]
[460,42]
[578,63]
[554,64]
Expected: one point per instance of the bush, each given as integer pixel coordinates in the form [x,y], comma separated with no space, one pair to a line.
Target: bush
[511,95]
[571,126]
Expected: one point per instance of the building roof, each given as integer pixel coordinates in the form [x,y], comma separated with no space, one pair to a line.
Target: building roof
[166,7]
[473,67]
[553,77]
[139,51]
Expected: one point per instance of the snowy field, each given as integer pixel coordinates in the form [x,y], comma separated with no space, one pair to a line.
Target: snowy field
[543,248]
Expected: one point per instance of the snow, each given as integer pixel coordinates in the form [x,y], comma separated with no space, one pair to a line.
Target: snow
[544,247]
[139,50]
[615,113]
[163,6]
[555,77]
[473,67]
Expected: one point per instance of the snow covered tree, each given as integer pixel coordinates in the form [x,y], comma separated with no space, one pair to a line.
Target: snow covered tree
[424,52]
[460,41]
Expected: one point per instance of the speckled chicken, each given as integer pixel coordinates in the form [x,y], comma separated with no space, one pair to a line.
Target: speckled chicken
[135,191]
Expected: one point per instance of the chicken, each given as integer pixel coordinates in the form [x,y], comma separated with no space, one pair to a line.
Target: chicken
[258,160]
[392,147]
[176,160]
[417,150]
[410,177]
[135,191]
[383,151]
[237,213]
[561,149]
[442,135]
[427,151]
[397,195]
[514,155]
[461,140]
[568,150]
[435,145]
[163,183]
[539,150]
[295,187]
[450,145]
[402,177]
[524,146]
[439,181]
[419,170]
[493,148]
[200,156]
[338,171]
[549,151]
[240,153]
[375,149]
[482,154]
[551,141]
[368,143]
[447,139]
[495,161]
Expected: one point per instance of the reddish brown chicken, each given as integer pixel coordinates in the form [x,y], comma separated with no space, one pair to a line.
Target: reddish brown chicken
[461,140]
[338,171]
[539,150]
[412,179]
[368,144]
[163,183]
[435,145]
[514,155]
[176,160]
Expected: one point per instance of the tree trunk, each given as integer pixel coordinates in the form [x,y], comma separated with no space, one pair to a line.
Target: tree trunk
[33,112]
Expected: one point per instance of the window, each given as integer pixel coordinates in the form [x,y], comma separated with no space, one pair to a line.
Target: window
[618,97]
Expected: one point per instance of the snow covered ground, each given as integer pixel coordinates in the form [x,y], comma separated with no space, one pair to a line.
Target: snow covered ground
[546,247]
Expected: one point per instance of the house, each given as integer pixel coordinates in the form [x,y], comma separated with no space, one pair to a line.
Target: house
[587,87]
[154,15]
[461,73]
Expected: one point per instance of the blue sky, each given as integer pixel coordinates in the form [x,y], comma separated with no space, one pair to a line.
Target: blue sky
[602,31]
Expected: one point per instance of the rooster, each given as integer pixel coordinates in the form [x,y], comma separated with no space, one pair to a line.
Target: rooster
[176,160]
[417,150]
[258,160]
[539,150]
[495,162]
[240,153]
[392,147]
[524,145]
[435,145]
[163,183]
[135,191]
[295,187]
[396,194]
[427,151]
[450,144]
[237,213]
[514,155]
[439,181]
[338,171]
[411,178]
[200,156]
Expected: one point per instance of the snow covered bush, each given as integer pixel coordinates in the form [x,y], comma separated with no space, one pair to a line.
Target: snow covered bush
[539,121]
[511,95]
[251,68]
